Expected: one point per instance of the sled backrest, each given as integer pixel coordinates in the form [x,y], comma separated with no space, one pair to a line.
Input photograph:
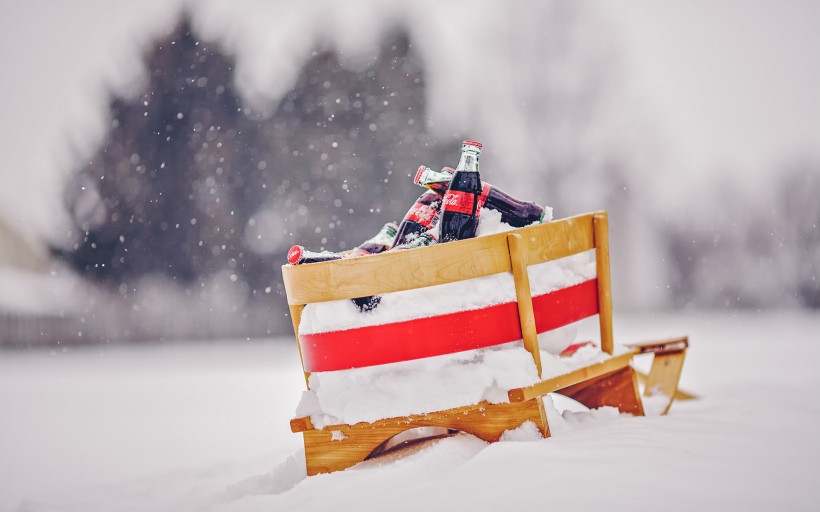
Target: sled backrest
[462,260]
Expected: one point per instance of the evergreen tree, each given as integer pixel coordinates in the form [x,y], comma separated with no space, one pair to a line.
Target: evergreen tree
[165,192]
[339,153]
[799,189]
[185,184]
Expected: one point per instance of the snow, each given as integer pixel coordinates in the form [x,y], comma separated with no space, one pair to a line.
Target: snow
[205,427]
[415,387]
[527,431]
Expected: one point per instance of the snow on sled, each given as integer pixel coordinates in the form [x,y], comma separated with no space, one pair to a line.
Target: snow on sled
[480,369]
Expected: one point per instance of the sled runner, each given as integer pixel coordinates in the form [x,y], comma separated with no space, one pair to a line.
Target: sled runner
[611,382]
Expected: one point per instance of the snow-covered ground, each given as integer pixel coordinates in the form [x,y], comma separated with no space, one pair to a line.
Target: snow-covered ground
[205,427]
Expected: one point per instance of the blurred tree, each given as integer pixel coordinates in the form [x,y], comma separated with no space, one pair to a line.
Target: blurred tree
[752,253]
[185,184]
[338,154]
[800,189]
[166,192]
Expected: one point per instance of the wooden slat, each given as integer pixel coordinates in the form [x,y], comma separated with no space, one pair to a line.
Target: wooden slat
[485,421]
[301,424]
[601,231]
[557,239]
[429,419]
[544,426]
[568,379]
[526,315]
[679,393]
[617,389]
[664,376]
[430,266]
[665,372]
[661,346]
[296,318]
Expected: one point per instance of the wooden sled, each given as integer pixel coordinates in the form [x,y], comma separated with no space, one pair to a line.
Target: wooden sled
[612,382]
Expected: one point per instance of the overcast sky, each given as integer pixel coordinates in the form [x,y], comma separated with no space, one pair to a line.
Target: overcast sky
[735,84]
[730,87]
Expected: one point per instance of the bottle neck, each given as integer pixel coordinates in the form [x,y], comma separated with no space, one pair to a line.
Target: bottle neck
[468,162]
[433,180]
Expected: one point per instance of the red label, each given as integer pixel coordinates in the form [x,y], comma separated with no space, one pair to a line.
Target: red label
[421,213]
[485,191]
[458,201]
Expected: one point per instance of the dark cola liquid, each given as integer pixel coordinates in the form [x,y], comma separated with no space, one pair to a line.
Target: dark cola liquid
[421,217]
[383,240]
[514,212]
[459,214]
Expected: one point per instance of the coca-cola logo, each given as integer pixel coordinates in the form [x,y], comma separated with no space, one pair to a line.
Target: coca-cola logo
[485,191]
[458,201]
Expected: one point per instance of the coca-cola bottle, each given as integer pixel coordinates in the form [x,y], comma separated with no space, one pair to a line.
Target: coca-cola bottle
[382,241]
[379,243]
[421,240]
[298,255]
[459,208]
[424,239]
[513,211]
[419,218]
[437,181]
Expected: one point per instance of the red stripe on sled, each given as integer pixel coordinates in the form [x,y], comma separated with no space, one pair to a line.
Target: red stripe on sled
[444,334]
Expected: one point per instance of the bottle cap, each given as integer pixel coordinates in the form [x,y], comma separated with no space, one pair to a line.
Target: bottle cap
[418,175]
[472,143]
[295,254]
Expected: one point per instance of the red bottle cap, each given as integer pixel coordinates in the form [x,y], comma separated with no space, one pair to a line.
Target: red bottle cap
[472,143]
[418,175]
[295,254]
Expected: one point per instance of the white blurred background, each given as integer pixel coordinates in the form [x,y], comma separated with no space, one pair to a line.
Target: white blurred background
[160,157]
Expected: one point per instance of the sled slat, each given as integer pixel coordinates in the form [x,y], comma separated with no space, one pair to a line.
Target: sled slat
[568,379]
[679,394]
[601,230]
[353,443]
[617,389]
[296,318]
[664,376]
[301,424]
[441,264]
[526,316]
[666,346]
